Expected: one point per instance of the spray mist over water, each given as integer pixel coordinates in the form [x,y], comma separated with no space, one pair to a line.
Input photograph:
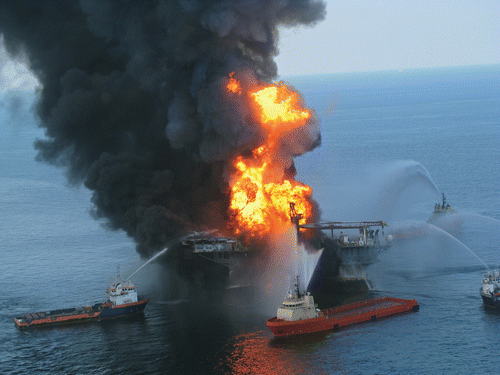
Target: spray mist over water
[408,171]
[459,242]
[388,191]
[286,260]
[477,216]
[282,264]
[400,187]
[482,230]
[307,265]
[425,246]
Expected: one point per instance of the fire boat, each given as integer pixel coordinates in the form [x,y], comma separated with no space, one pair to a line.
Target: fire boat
[444,216]
[490,290]
[298,314]
[441,209]
[122,301]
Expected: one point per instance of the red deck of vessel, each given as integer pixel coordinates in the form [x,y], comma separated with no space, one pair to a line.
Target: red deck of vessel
[368,310]
[344,315]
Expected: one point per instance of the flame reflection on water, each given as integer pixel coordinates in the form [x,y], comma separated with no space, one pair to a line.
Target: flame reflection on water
[256,353]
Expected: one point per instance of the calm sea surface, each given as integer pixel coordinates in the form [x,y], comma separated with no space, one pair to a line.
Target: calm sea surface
[392,143]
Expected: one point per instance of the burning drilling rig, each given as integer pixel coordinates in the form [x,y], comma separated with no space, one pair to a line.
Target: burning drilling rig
[261,186]
[167,111]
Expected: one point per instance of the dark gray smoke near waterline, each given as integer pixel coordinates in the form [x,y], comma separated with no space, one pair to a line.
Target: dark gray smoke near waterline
[134,102]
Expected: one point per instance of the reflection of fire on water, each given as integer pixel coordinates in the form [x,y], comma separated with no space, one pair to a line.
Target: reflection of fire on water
[253,353]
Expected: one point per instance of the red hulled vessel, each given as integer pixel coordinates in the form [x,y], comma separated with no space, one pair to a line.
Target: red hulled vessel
[299,314]
[122,301]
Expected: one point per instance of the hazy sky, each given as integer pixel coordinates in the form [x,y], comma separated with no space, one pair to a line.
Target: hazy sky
[367,35]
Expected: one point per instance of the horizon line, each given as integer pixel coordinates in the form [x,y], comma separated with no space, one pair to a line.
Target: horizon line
[393,70]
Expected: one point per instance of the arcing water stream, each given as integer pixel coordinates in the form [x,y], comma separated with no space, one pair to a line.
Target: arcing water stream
[482,217]
[417,228]
[149,261]
[461,243]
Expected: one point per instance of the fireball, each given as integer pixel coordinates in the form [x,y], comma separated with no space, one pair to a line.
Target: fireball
[260,194]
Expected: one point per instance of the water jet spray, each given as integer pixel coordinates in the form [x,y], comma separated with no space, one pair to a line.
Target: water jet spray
[149,261]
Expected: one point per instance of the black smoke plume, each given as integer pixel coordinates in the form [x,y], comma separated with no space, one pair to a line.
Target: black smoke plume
[133,101]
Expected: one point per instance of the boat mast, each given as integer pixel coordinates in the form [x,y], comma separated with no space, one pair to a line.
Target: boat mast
[118,277]
[297,289]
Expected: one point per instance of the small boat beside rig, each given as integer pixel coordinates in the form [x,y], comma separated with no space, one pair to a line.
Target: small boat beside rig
[490,290]
[122,301]
[299,315]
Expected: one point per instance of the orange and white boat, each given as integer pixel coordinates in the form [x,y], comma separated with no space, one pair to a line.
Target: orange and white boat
[300,315]
[122,301]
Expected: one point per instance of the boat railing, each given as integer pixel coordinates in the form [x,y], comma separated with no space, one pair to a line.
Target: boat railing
[378,307]
[354,307]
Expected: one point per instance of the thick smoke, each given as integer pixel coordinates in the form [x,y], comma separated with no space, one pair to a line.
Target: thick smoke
[134,103]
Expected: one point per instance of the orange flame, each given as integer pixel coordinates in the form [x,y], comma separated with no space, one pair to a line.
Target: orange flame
[259,205]
[279,106]
[233,85]
[260,196]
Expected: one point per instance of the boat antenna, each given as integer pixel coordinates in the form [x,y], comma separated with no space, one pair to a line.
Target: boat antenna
[297,289]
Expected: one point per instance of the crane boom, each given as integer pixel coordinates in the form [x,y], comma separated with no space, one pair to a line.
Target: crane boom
[343,225]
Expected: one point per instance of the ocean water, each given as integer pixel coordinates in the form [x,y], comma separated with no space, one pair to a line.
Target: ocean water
[392,143]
